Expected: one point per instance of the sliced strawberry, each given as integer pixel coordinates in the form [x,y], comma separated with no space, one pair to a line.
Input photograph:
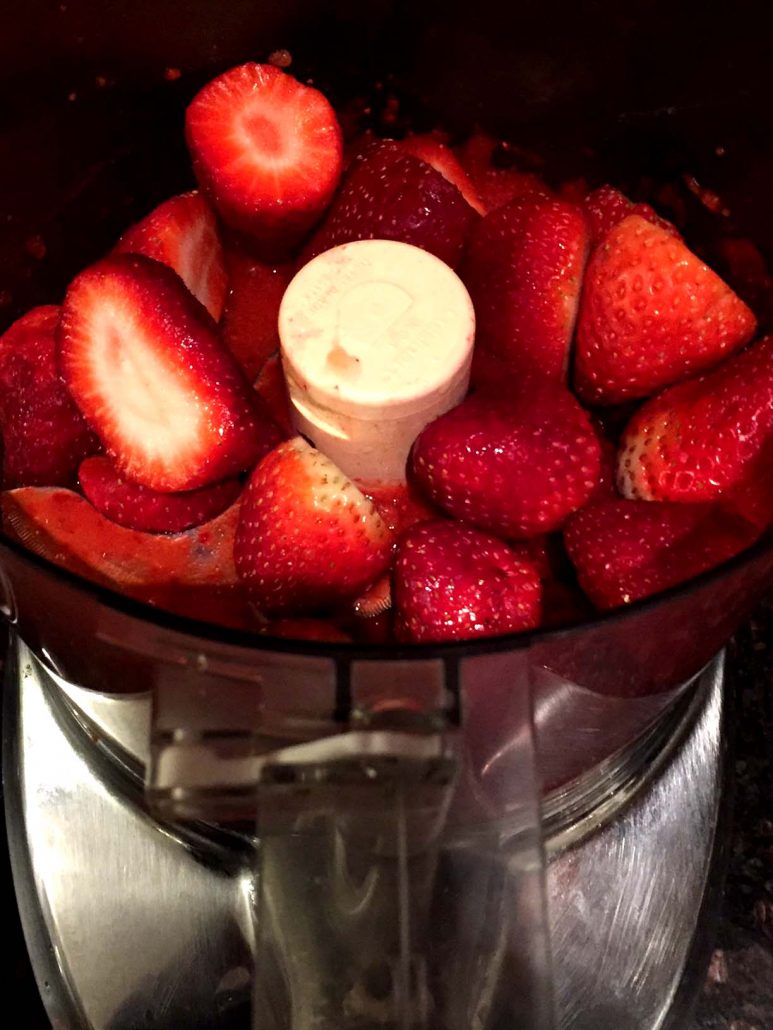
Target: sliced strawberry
[433,149]
[135,506]
[266,150]
[452,582]
[376,600]
[390,195]
[606,207]
[272,387]
[696,440]
[64,528]
[145,366]
[651,314]
[626,550]
[308,539]
[182,233]
[515,464]
[493,185]
[44,435]
[523,268]
[249,325]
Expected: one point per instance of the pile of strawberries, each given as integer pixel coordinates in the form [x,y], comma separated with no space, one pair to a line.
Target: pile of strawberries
[146,437]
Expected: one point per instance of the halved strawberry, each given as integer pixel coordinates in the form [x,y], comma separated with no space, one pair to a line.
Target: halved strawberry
[307,538]
[433,149]
[44,435]
[515,463]
[249,326]
[523,268]
[606,207]
[651,314]
[266,150]
[145,366]
[696,440]
[495,186]
[626,550]
[271,385]
[64,528]
[137,507]
[390,195]
[182,233]
[452,582]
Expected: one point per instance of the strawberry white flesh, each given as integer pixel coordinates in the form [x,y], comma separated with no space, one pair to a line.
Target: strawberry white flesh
[182,233]
[266,149]
[144,364]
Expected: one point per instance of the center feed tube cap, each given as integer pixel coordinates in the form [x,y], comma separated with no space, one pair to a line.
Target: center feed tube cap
[376,342]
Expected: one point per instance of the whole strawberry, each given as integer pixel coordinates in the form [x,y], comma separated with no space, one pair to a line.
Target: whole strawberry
[698,439]
[515,464]
[606,207]
[651,314]
[523,268]
[389,194]
[452,582]
[627,550]
[44,435]
[308,539]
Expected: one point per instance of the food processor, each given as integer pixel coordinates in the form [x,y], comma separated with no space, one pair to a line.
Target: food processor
[212,828]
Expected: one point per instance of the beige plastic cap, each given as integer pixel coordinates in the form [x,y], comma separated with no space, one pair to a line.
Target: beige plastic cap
[377,341]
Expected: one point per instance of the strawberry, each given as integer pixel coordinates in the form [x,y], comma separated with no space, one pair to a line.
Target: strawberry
[515,463]
[45,437]
[170,571]
[651,314]
[626,550]
[144,364]
[249,325]
[606,207]
[182,233]
[452,582]
[390,195]
[695,440]
[271,385]
[495,186]
[432,148]
[523,268]
[266,150]
[135,506]
[307,538]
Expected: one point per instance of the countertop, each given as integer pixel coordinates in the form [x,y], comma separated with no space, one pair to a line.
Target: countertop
[738,992]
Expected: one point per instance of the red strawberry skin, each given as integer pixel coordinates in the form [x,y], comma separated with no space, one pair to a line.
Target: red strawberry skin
[626,550]
[651,314]
[696,440]
[182,233]
[44,435]
[391,195]
[515,464]
[144,364]
[606,207]
[452,582]
[249,325]
[136,507]
[524,268]
[271,386]
[266,150]
[307,538]
[432,148]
